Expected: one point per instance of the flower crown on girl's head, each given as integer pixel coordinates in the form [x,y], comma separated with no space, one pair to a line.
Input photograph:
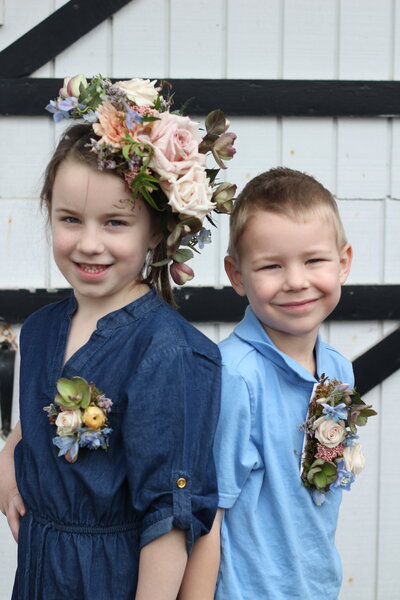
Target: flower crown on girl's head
[160,154]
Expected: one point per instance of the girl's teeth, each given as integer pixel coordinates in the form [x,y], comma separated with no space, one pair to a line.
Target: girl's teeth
[92,268]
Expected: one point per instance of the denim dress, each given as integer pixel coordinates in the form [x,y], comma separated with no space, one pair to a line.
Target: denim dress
[87,521]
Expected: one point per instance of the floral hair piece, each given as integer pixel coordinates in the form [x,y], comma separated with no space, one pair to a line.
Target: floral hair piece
[160,154]
[80,414]
[332,455]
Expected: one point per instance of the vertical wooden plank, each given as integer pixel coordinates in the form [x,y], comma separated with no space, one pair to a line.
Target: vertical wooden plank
[389,479]
[24,157]
[309,39]
[309,145]
[89,55]
[362,158]
[352,339]
[141,40]
[254,51]
[396,42]
[395,160]
[198,39]
[392,242]
[22,247]
[366,38]
[363,221]
[357,533]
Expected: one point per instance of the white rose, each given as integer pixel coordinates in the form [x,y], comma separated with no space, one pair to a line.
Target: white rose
[328,432]
[68,421]
[139,91]
[190,195]
[354,459]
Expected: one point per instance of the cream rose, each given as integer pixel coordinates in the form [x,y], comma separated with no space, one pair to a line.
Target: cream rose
[354,459]
[175,142]
[139,91]
[190,195]
[328,432]
[68,421]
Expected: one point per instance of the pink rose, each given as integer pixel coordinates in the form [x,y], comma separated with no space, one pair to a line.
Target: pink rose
[175,141]
[190,195]
[328,432]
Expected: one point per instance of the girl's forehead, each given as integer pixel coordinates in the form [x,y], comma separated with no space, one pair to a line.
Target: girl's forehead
[79,185]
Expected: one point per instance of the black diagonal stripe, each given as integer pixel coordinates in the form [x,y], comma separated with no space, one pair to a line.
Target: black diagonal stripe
[53,35]
[377,363]
[236,97]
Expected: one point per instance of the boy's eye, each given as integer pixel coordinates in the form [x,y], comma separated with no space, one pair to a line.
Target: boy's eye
[271,267]
[315,260]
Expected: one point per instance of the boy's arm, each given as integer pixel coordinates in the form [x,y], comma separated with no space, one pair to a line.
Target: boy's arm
[161,567]
[11,503]
[201,571]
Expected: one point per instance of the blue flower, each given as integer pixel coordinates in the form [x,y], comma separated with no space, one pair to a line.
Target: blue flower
[58,115]
[91,116]
[335,412]
[203,237]
[351,439]
[94,439]
[344,478]
[319,497]
[132,117]
[65,443]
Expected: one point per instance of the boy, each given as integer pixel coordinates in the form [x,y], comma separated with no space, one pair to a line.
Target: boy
[288,254]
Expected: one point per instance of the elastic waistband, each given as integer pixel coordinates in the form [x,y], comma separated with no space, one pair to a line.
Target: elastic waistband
[88,529]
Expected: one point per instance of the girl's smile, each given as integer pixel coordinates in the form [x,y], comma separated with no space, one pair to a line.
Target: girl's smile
[100,241]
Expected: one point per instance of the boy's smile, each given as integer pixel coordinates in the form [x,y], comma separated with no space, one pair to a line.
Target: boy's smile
[291,272]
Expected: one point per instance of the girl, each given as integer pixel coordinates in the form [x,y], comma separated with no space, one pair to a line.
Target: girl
[115,524]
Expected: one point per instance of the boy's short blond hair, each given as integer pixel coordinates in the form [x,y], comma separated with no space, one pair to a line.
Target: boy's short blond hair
[287,192]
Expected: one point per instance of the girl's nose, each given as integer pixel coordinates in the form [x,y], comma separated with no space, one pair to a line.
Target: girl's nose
[90,241]
[295,278]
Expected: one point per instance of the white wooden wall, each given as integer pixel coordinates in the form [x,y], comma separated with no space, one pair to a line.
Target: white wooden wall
[357,159]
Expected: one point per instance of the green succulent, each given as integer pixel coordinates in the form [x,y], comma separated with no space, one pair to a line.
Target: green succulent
[322,474]
[73,393]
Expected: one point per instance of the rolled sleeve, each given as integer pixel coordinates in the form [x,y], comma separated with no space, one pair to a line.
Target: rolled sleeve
[168,431]
[234,450]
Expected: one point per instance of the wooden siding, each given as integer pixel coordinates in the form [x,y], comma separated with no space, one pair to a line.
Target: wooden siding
[356,158]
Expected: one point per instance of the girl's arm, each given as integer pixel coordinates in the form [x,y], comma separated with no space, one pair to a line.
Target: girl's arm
[11,503]
[161,567]
[201,572]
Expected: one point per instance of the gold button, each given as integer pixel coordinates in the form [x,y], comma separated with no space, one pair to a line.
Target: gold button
[181,482]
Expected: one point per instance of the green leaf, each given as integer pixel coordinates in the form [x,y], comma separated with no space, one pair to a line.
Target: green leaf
[182,255]
[125,151]
[320,480]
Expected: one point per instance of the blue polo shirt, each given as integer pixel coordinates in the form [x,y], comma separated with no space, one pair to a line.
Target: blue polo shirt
[276,543]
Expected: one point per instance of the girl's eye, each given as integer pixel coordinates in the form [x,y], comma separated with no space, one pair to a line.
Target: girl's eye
[70,220]
[116,223]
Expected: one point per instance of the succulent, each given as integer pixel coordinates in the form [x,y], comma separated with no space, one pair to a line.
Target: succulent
[73,393]
[322,474]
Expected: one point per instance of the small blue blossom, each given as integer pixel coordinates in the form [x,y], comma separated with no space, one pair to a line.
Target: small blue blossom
[58,115]
[65,443]
[351,439]
[203,237]
[94,439]
[68,103]
[319,497]
[91,116]
[132,117]
[344,478]
[335,412]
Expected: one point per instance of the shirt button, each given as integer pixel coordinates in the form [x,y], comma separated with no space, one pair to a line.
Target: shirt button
[181,482]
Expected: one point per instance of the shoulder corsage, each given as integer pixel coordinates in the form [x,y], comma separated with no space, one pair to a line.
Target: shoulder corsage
[80,415]
[332,455]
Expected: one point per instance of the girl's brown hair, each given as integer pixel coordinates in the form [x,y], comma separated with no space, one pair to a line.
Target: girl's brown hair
[75,145]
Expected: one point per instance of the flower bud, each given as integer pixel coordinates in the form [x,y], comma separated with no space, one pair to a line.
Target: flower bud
[94,417]
[223,197]
[223,147]
[72,85]
[181,273]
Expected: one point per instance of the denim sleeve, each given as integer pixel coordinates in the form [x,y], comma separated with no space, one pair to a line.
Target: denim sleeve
[234,449]
[168,431]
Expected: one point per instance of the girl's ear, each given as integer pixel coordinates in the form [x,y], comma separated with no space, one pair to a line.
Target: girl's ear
[155,240]
[235,275]
[346,256]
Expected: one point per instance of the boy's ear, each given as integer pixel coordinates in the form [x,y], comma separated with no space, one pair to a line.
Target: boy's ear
[235,275]
[346,256]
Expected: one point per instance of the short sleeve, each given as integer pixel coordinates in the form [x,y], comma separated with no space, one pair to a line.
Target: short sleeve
[234,450]
[168,430]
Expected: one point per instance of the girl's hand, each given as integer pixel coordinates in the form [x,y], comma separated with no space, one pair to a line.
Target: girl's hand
[11,503]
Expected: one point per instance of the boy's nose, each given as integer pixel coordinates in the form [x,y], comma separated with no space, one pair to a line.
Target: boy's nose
[90,241]
[295,279]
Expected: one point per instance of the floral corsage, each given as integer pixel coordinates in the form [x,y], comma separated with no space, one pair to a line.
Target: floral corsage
[80,415]
[332,455]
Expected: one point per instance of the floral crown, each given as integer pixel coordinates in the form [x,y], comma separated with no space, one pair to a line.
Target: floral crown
[160,154]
